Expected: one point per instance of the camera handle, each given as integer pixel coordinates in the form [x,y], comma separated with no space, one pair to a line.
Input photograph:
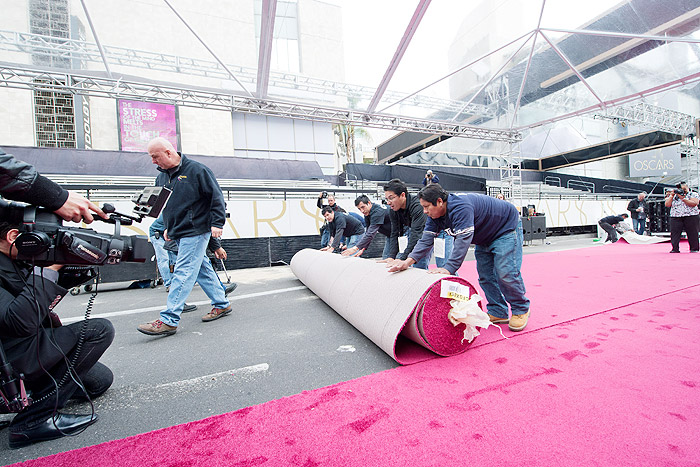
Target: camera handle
[117,218]
[12,389]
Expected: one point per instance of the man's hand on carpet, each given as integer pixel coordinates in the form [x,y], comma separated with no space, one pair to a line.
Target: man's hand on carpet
[439,271]
[398,266]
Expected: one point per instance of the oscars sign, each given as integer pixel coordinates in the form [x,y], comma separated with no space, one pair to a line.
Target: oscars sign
[658,162]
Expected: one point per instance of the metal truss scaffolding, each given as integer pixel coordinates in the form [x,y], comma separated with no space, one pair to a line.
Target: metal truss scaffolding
[690,149]
[87,52]
[511,173]
[38,80]
[651,116]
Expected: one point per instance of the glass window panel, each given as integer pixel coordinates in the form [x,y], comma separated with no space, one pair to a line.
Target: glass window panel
[145,39]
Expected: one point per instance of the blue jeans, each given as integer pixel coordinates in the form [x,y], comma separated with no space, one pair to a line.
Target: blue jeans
[164,258]
[359,218]
[449,244]
[498,265]
[387,248]
[638,225]
[192,266]
[352,240]
[325,236]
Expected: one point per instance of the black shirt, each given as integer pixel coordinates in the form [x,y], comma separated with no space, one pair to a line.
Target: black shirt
[344,225]
[612,220]
[411,216]
[379,220]
[632,208]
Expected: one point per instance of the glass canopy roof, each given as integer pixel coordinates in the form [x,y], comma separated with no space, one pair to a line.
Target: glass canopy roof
[505,65]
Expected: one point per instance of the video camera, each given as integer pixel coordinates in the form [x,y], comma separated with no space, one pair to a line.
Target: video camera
[44,240]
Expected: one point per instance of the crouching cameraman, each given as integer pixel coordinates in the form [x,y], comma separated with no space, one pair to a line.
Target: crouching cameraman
[58,362]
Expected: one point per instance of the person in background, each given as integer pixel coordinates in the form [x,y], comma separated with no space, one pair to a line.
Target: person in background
[683,216]
[608,224]
[430,177]
[638,207]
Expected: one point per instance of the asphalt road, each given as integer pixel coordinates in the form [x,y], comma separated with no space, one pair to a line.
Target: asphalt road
[280,340]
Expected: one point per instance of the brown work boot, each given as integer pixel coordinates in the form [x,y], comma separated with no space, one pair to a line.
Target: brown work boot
[518,322]
[216,313]
[497,320]
[157,328]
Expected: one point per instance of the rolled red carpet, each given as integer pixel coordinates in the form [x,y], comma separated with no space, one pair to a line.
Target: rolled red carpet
[402,313]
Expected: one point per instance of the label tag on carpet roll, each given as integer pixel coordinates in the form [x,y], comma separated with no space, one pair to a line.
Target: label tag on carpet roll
[454,291]
[439,246]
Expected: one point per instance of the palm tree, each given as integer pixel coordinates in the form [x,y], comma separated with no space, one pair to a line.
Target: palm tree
[346,139]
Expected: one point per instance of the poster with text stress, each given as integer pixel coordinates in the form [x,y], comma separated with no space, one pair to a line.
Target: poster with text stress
[140,122]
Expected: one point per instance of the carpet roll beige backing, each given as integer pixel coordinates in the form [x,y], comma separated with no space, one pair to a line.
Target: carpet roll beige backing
[400,312]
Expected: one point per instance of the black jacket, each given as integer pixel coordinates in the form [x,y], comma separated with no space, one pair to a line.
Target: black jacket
[21,182]
[379,220]
[411,216]
[24,332]
[344,225]
[612,220]
[634,204]
[196,203]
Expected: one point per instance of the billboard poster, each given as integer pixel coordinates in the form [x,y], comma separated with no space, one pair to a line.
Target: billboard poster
[140,122]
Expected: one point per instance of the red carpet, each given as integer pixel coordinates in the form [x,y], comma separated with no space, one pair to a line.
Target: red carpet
[606,373]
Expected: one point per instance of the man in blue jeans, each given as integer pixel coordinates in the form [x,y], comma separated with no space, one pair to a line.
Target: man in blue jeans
[495,228]
[194,213]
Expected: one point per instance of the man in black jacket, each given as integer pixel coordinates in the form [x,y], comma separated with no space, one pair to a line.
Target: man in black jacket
[195,212]
[406,213]
[324,231]
[377,220]
[608,224]
[37,346]
[341,226]
[20,181]
[638,207]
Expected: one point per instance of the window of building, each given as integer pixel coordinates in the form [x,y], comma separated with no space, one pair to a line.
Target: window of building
[54,114]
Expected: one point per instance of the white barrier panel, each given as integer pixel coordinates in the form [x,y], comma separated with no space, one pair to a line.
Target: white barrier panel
[280,218]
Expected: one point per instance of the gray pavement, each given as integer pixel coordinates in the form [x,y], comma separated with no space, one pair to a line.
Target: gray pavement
[279,341]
